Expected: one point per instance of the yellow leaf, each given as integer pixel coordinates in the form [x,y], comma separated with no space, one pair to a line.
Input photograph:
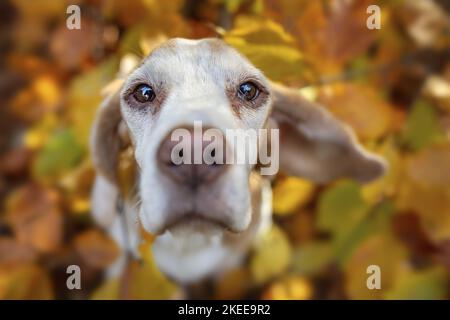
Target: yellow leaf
[141,280]
[109,290]
[271,257]
[84,98]
[37,135]
[387,185]
[147,282]
[290,288]
[39,98]
[290,194]
[353,103]
[47,90]
[268,46]
[24,282]
[382,250]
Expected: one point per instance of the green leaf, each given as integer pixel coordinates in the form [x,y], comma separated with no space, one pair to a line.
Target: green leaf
[312,257]
[377,222]
[422,126]
[60,153]
[348,217]
[341,208]
[429,284]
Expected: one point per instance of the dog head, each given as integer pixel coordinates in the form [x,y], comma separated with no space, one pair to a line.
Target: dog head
[183,82]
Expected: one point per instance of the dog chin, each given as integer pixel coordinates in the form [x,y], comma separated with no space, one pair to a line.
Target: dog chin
[196,244]
[193,234]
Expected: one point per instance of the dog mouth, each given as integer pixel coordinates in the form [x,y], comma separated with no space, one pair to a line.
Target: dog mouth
[194,222]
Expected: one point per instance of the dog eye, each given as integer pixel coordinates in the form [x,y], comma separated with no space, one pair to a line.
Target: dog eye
[248,91]
[144,93]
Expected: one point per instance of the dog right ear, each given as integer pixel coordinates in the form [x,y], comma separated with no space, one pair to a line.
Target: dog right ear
[108,136]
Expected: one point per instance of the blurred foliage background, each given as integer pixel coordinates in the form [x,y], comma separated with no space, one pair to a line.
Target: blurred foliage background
[392,86]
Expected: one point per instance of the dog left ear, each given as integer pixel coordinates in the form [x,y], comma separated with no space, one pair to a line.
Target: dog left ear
[108,136]
[315,145]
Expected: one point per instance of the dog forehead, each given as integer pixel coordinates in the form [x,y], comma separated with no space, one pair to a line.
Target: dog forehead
[193,49]
[199,57]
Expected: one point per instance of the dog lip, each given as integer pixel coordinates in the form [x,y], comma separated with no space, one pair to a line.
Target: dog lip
[190,217]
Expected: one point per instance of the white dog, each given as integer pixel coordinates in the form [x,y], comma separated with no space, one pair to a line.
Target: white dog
[205,217]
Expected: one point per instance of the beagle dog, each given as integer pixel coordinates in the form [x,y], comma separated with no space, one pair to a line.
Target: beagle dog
[205,217]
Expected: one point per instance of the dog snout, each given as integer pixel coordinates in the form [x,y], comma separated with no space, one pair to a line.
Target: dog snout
[195,160]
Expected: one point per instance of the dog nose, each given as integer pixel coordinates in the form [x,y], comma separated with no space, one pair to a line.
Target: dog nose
[193,160]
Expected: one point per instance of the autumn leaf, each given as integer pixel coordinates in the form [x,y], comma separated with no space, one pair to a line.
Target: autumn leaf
[289,288]
[35,217]
[60,153]
[141,280]
[234,284]
[422,127]
[311,258]
[300,226]
[381,250]
[291,193]
[265,43]
[13,253]
[424,189]
[331,35]
[360,107]
[341,208]
[344,212]
[84,97]
[43,96]
[429,284]
[96,249]
[387,185]
[25,282]
[271,257]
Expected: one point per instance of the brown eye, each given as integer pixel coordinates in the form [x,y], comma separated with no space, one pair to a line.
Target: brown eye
[248,91]
[144,93]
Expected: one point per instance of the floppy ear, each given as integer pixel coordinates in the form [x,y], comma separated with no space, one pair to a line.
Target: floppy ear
[315,145]
[108,136]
